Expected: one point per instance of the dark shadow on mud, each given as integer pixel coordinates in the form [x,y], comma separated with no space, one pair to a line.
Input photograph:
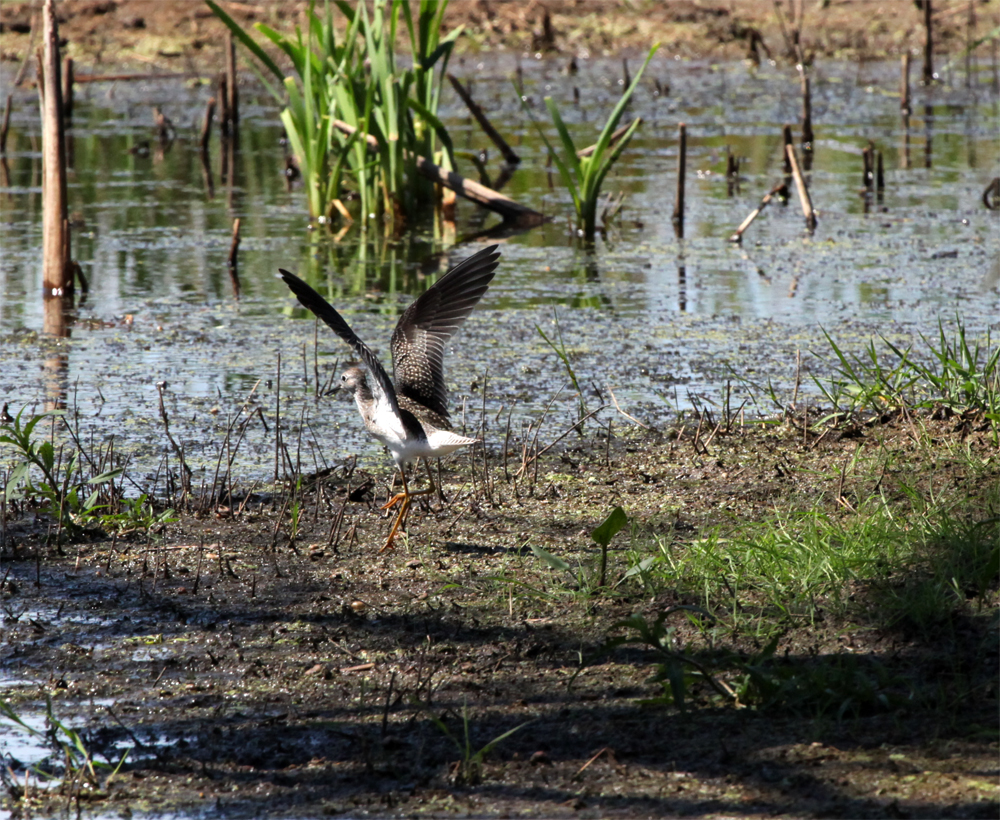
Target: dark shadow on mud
[243,700]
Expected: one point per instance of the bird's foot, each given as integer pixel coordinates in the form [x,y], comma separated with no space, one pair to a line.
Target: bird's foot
[392,502]
[399,522]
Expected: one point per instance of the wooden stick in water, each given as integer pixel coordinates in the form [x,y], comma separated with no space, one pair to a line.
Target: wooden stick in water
[803,191]
[904,85]
[681,163]
[55,238]
[509,154]
[233,100]
[206,126]
[67,94]
[780,190]
[234,246]
[786,134]
[5,125]
[807,126]
[928,44]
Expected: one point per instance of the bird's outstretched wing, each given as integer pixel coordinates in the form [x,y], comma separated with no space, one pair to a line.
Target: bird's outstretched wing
[382,389]
[425,326]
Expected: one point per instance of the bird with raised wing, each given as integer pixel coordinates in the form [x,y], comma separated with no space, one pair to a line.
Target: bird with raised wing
[409,412]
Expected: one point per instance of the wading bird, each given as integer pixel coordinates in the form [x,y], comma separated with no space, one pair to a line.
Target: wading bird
[408,413]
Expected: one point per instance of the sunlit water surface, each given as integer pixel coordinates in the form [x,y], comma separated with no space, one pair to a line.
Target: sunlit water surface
[662,322]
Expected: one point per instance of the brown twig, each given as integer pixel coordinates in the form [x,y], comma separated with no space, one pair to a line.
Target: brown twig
[681,162]
[904,85]
[617,135]
[206,126]
[928,44]
[619,409]
[803,191]
[781,190]
[5,125]
[807,124]
[509,154]
[233,99]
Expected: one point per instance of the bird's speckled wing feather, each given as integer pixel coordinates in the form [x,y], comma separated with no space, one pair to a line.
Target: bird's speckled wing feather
[426,325]
[382,388]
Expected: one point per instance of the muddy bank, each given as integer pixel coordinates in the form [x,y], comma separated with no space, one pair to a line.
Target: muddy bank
[184,36]
[271,663]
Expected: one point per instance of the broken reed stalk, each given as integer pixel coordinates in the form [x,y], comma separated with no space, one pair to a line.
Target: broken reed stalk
[681,162]
[234,248]
[178,451]
[206,126]
[928,44]
[786,135]
[511,211]
[508,153]
[67,94]
[233,100]
[879,172]
[904,85]
[615,136]
[803,191]
[807,126]
[5,125]
[223,96]
[56,272]
[868,172]
[780,190]
[277,421]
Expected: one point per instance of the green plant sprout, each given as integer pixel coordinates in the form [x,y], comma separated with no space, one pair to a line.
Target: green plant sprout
[60,484]
[79,768]
[583,176]
[470,767]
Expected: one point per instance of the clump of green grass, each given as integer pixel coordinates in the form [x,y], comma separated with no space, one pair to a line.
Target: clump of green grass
[45,472]
[359,81]
[918,556]
[952,373]
[919,560]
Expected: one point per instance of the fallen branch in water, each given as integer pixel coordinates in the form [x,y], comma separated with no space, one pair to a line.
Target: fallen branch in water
[780,190]
[510,210]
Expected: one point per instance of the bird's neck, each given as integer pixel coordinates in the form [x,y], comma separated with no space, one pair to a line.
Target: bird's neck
[363,396]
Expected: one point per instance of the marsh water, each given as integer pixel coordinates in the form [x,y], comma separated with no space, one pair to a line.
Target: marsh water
[663,322]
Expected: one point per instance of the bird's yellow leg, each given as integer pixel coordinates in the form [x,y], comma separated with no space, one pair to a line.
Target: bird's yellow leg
[403,509]
[394,500]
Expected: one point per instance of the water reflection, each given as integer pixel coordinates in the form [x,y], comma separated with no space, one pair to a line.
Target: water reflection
[156,232]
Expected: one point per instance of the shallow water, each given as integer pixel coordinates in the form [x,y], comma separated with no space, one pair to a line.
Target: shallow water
[663,322]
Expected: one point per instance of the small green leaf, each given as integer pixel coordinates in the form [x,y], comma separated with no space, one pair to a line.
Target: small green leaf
[553,561]
[103,477]
[603,534]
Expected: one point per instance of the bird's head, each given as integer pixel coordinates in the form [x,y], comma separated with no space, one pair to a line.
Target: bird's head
[353,380]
